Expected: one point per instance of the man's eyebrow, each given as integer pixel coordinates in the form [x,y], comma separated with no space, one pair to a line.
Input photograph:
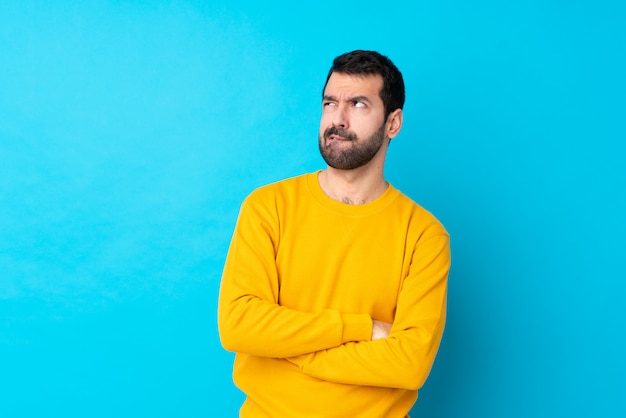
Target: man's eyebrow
[359,98]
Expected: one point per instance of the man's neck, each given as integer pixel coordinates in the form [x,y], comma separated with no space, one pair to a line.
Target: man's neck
[353,187]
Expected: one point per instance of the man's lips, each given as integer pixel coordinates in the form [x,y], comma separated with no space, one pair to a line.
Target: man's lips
[337,138]
[334,134]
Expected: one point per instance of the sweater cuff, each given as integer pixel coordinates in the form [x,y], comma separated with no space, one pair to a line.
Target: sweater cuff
[356,327]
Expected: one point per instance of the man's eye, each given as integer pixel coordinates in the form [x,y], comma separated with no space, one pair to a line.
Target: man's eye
[359,104]
[327,104]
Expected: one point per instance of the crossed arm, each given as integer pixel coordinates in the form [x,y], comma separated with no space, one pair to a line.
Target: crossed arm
[400,355]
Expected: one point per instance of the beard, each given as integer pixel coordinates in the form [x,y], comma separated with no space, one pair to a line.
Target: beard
[359,153]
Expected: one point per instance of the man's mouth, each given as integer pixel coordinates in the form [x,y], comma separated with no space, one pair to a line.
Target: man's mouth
[338,138]
[335,134]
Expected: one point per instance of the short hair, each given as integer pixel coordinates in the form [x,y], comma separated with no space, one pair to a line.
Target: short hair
[364,63]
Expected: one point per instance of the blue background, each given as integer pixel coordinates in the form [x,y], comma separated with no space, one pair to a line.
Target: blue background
[130,131]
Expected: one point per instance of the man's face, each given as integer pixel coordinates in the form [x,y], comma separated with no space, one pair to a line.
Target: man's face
[352,128]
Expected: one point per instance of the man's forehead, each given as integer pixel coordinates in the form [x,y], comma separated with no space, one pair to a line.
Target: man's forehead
[354,84]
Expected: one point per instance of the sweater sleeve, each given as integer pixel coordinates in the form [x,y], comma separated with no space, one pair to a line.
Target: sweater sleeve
[404,359]
[250,317]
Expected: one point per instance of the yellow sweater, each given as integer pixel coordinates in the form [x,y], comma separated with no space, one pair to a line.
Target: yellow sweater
[304,277]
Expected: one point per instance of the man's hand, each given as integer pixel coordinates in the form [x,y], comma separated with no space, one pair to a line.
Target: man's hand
[380,329]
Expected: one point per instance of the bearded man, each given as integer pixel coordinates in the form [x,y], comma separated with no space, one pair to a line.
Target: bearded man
[333,295]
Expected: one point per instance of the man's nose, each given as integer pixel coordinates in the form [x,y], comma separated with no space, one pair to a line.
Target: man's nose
[340,117]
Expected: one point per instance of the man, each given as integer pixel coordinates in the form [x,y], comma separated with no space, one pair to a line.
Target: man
[333,294]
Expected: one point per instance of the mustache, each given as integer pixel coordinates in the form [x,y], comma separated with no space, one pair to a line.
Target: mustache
[333,130]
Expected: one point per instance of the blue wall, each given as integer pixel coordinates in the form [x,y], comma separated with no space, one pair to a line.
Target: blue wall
[130,131]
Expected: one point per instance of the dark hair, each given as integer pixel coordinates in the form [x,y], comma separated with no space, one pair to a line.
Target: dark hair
[363,63]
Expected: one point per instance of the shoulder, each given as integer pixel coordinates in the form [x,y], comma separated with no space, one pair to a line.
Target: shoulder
[278,190]
[268,204]
[275,199]
[419,219]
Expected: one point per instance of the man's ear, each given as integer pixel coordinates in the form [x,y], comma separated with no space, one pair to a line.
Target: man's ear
[394,124]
